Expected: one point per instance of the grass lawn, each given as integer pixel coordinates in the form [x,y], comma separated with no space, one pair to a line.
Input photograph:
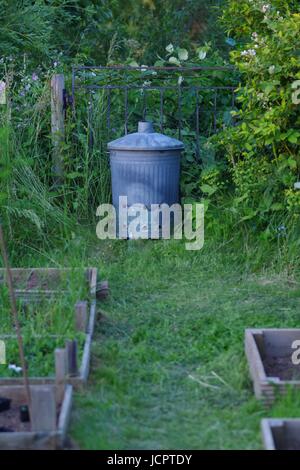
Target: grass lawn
[168,367]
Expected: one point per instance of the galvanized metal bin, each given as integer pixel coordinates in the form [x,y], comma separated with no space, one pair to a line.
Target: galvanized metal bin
[145,167]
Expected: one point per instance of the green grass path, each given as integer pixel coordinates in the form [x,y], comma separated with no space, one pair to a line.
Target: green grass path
[168,366]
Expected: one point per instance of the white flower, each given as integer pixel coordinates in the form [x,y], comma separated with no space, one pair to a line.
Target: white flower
[265,8]
[170,48]
[144,68]
[254,36]
[147,83]
[271,69]
[249,53]
[183,54]
[180,79]
[15,368]
[202,54]
[174,60]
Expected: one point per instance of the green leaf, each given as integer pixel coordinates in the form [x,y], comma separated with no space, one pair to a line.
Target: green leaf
[207,189]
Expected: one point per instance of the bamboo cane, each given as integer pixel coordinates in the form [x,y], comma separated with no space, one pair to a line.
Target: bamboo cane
[14,309]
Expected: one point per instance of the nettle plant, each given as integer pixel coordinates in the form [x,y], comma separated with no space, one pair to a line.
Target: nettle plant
[264,148]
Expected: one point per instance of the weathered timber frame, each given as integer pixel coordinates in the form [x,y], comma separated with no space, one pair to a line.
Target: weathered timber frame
[259,342]
[278,433]
[35,440]
[33,295]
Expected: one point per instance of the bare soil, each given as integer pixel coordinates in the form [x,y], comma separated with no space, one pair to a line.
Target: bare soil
[282,367]
[291,444]
[10,419]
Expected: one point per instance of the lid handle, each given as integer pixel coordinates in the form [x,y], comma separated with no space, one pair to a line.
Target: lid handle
[145,126]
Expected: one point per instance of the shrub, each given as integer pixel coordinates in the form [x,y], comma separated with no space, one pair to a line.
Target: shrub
[263,149]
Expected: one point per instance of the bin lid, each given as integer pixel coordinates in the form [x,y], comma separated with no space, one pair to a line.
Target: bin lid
[145,139]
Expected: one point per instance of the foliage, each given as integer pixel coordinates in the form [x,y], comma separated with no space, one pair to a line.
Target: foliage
[43,325]
[38,39]
[81,31]
[39,352]
[263,149]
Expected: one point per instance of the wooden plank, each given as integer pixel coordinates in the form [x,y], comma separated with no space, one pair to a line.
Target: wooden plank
[71,354]
[43,409]
[37,440]
[57,124]
[267,432]
[81,315]
[266,387]
[93,282]
[92,318]
[27,440]
[65,414]
[85,365]
[60,373]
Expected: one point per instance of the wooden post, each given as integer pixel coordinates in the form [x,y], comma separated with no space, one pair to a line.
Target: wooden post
[60,373]
[71,352]
[57,124]
[81,315]
[43,404]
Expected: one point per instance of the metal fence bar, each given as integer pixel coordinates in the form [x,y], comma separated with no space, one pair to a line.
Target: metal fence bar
[215,111]
[161,111]
[197,126]
[126,110]
[144,104]
[141,87]
[90,121]
[108,110]
[156,68]
[179,113]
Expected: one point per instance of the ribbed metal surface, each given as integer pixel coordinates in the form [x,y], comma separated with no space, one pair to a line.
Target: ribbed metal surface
[145,177]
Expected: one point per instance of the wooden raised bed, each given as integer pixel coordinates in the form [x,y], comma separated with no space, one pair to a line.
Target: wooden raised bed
[23,437]
[281,434]
[269,353]
[35,284]
[42,279]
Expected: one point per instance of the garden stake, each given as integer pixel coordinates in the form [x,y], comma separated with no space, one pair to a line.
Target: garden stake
[15,315]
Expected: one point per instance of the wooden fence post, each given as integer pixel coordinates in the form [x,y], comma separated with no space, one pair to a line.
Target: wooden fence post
[71,352]
[60,373]
[57,124]
[43,416]
[81,315]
